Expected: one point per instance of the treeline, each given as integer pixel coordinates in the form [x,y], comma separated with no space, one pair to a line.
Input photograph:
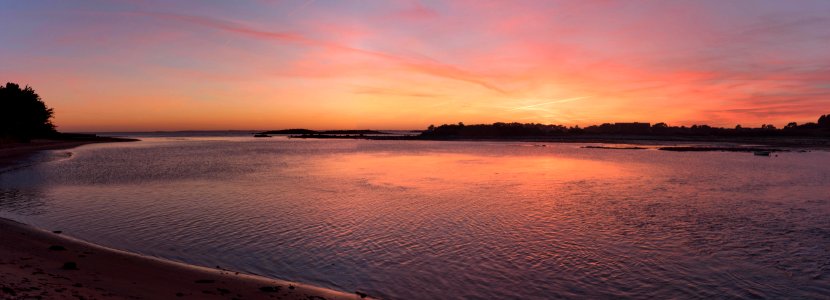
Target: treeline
[23,115]
[313,132]
[821,128]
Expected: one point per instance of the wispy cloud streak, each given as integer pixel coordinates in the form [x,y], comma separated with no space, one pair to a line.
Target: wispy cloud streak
[430,67]
[549,103]
[407,63]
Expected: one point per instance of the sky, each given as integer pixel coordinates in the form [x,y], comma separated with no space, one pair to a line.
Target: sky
[135,65]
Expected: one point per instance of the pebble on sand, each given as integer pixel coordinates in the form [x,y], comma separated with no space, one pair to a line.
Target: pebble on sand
[270,289]
[70,265]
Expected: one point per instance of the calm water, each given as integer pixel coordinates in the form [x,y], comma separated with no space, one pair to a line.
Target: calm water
[427,220]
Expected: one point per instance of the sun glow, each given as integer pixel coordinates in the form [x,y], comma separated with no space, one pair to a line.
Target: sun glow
[404,65]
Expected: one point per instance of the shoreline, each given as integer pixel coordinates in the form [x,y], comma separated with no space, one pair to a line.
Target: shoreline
[739,142]
[12,153]
[35,262]
[41,264]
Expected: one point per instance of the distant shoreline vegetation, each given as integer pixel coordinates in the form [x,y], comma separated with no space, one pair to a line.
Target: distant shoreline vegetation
[315,132]
[819,129]
[812,134]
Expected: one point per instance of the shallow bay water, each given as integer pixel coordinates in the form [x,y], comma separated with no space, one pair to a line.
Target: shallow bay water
[449,220]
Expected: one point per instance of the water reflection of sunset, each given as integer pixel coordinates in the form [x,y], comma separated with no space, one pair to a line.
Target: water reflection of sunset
[414,219]
[459,170]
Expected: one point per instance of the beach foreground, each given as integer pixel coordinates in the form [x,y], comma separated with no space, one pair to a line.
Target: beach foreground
[39,264]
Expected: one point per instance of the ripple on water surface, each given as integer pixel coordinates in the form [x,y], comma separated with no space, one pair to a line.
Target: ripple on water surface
[420,220]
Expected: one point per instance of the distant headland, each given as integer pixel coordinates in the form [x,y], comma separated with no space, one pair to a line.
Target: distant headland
[324,132]
[812,134]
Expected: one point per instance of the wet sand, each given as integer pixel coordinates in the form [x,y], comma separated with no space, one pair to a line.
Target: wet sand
[11,153]
[40,264]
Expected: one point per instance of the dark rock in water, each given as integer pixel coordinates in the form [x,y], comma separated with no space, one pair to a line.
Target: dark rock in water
[290,287]
[57,248]
[362,295]
[205,281]
[57,231]
[71,265]
[270,289]
[614,148]
[9,291]
[223,291]
[721,149]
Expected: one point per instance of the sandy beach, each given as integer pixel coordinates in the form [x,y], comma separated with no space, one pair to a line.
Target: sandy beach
[46,264]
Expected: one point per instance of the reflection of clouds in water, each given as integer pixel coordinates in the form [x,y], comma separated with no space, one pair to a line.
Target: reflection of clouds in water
[465,218]
[112,165]
[369,183]
[465,170]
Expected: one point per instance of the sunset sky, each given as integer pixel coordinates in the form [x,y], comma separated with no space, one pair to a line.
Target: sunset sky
[154,65]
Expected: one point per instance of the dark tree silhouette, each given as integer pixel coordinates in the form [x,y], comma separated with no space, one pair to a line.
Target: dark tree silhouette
[519,130]
[23,115]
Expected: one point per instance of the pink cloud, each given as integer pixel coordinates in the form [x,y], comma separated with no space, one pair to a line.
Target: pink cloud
[431,67]
[722,63]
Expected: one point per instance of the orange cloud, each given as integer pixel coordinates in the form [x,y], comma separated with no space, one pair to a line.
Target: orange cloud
[406,64]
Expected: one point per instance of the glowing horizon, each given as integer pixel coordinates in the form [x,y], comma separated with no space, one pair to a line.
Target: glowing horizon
[147,65]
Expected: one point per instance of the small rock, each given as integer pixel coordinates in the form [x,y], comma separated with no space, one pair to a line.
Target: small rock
[57,231]
[71,265]
[9,291]
[362,295]
[57,248]
[205,281]
[270,289]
